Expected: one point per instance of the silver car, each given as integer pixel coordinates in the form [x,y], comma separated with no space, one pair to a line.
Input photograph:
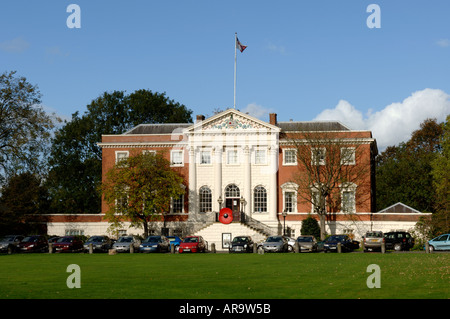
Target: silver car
[373,240]
[307,243]
[275,244]
[123,244]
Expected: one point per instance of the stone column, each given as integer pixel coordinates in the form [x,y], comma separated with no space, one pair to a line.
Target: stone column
[217,177]
[273,189]
[247,181]
[192,181]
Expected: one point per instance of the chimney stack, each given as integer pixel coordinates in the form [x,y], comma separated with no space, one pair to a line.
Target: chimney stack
[200,118]
[273,118]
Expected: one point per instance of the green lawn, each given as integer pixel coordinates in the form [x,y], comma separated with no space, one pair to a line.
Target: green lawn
[226,276]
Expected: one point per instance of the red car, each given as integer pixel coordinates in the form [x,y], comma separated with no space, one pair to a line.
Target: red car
[35,243]
[68,243]
[192,244]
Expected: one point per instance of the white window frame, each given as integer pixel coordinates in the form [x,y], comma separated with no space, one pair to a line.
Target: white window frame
[205,151]
[314,193]
[351,188]
[257,160]
[118,158]
[178,164]
[323,151]
[352,159]
[285,150]
[149,152]
[290,188]
[232,150]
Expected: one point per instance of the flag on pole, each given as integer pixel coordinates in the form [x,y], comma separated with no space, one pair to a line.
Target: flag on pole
[240,46]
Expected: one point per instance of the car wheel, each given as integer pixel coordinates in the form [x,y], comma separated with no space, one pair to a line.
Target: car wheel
[290,249]
[431,249]
[398,247]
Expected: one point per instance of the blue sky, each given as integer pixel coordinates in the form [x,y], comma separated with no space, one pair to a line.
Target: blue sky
[305,60]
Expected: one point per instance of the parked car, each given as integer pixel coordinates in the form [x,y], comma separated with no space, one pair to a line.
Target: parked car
[309,243]
[35,243]
[8,244]
[68,243]
[174,241]
[399,240]
[347,244]
[155,244]
[373,240]
[291,243]
[440,243]
[276,244]
[53,239]
[241,244]
[124,243]
[99,243]
[193,244]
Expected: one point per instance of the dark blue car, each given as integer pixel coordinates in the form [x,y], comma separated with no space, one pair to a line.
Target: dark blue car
[154,244]
[347,244]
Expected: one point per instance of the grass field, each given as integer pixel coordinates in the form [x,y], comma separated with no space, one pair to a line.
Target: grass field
[225,276]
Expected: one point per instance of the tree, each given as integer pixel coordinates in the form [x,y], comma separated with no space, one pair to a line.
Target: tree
[333,172]
[441,182]
[310,226]
[404,172]
[75,159]
[23,200]
[25,127]
[140,188]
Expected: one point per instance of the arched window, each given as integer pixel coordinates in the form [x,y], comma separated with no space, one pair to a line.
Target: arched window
[205,199]
[232,191]
[260,199]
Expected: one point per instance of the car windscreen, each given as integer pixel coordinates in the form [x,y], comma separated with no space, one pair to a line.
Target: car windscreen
[65,240]
[125,240]
[94,239]
[152,239]
[274,239]
[240,239]
[30,239]
[374,234]
[305,239]
[190,240]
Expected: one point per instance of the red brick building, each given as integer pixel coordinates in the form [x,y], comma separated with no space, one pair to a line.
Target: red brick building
[253,167]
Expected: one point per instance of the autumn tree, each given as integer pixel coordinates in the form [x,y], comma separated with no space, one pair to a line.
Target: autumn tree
[25,127]
[75,159]
[333,172]
[404,172]
[441,182]
[23,200]
[140,189]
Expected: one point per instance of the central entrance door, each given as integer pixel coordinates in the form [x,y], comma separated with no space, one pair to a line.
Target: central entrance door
[232,200]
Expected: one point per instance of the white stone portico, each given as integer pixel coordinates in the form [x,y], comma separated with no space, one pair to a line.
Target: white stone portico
[234,150]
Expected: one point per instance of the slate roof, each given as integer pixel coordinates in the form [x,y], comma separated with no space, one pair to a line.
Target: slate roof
[166,128]
[315,126]
[400,208]
[169,128]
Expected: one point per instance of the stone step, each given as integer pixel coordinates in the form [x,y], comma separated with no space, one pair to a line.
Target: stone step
[214,234]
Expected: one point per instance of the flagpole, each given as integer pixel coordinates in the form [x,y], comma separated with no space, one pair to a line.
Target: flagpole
[235,61]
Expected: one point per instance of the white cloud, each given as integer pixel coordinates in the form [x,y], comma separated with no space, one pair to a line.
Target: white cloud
[395,122]
[257,111]
[16,45]
[276,48]
[443,43]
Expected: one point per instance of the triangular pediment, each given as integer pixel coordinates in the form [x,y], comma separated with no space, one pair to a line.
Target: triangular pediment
[231,120]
